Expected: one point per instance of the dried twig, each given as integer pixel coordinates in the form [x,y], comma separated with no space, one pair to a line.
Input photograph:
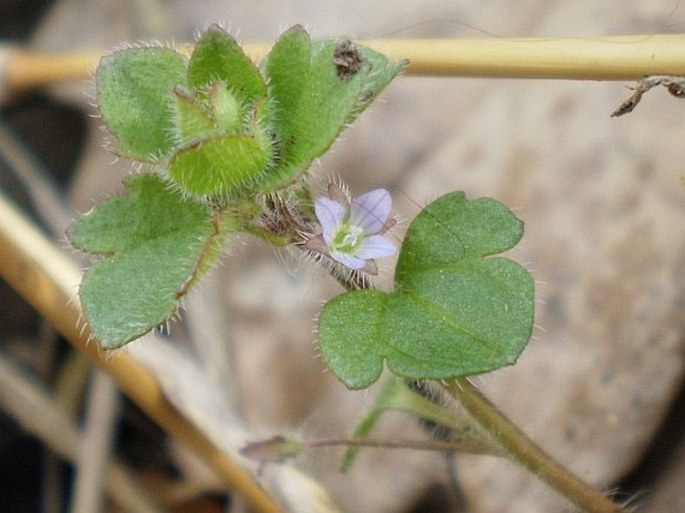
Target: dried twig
[47,200]
[586,58]
[96,445]
[48,280]
[35,409]
[674,85]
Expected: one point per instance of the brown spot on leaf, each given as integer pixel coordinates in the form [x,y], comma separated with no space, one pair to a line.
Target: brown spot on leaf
[347,60]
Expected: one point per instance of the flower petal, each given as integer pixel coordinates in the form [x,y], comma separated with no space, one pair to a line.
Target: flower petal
[331,214]
[371,210]
[375,246]
[348,260]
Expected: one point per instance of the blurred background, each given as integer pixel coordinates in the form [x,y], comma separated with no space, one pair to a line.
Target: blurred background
[600,386]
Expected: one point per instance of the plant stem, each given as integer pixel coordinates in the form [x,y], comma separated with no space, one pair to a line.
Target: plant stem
[527,453]
[463,447]
[586,58]
[582,58]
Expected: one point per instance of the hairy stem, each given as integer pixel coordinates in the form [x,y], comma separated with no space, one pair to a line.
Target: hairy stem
[527,453]
[462,446]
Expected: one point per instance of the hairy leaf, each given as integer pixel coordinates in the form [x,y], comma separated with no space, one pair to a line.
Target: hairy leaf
[217,57]
[456,311]
[315,90]
[134,93]
[155,245]
[220,165]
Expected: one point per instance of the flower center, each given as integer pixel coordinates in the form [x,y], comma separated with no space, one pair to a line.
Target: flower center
[348,238]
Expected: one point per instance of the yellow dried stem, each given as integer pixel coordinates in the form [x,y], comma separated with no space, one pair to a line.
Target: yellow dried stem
[590,58]
[586,58]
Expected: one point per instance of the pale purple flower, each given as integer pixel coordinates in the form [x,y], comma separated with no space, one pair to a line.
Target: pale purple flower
[353,230]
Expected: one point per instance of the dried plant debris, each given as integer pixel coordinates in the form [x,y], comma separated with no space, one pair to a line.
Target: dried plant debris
[675,86]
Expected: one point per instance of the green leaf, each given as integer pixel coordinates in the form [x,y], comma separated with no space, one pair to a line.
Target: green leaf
[134,93]
[381,72]
[315,90]
[192,119]
[287,67]
[219,166]
[218,57]
[225,108]
[155,245]
[457,310]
